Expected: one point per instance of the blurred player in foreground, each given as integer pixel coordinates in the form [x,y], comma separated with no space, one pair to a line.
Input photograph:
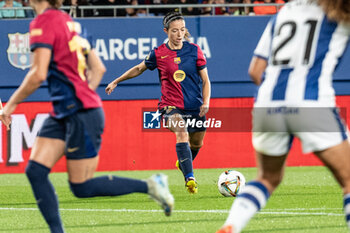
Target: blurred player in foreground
[294,64]
[73,72]
[185,90]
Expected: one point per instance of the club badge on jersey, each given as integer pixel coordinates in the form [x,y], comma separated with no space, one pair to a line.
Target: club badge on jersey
[177,60]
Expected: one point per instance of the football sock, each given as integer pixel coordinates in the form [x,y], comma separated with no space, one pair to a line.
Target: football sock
[45,195]
[108,186]
[347,208]
[185,158]
[253,198]
[194,153]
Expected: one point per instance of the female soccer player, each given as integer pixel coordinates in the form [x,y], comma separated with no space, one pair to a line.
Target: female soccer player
[182,70]
[294,63]
[61,56]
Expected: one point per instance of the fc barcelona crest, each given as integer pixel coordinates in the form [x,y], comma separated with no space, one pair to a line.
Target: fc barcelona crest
[177,60]
[18,52]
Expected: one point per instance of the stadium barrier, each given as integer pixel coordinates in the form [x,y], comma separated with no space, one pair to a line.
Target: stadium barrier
[126,146]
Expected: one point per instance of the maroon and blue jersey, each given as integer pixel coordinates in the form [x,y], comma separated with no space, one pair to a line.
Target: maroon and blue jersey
[181,84]
[67,82]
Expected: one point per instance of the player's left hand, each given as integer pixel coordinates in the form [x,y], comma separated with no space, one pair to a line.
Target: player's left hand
[5,114]
[6,120]
[204,109]
[111,86]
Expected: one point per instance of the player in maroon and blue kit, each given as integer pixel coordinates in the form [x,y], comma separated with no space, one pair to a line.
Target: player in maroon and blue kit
[185,90]
[73,72]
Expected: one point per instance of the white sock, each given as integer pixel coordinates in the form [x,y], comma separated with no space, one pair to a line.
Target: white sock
[347,208]
[246,205]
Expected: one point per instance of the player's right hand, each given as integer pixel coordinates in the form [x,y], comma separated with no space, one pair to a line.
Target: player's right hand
[111,86]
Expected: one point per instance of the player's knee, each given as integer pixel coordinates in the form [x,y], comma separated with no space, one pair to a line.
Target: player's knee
[275,182]
[345,184]
[346,189]
[181,136]
[271,181]
[36,172]
[196,145]
[80,190]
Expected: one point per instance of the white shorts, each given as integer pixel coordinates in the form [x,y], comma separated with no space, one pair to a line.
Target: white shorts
[317,128]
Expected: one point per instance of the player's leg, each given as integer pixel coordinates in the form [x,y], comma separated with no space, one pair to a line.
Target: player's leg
[196,134]
[271,153]
[84,185]
[337,159]
[330,144]
[83,141]
[196,142]
[176,124]
[48,148]
[85,136]
[45,153]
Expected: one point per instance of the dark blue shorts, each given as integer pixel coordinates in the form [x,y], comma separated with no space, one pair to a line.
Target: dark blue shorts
[81,132]
[186,115]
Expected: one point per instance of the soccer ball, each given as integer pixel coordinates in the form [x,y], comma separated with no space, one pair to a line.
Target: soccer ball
[231,183]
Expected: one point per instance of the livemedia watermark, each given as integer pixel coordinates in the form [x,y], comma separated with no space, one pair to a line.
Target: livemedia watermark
[248,119]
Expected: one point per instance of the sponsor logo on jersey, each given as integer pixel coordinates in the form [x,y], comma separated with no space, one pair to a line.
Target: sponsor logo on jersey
[177,60]
[36,32]
[179,75]
[18,52]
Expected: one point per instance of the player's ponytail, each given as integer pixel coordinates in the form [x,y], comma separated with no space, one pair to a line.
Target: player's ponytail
[172,16]
[187,35]
[337,10]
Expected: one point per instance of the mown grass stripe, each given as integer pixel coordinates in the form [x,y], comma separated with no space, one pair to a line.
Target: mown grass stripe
[285,212]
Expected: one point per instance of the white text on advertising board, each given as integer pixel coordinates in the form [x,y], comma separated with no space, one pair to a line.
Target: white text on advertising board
[137,48]
[21,133]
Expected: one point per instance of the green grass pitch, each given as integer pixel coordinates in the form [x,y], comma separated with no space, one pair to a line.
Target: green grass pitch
[308,200]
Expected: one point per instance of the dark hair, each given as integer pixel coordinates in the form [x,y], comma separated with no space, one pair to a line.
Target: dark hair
[170,17]
[54,3]
[338,10]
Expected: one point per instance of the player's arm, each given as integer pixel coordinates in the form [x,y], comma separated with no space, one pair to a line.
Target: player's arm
[32,81]
[131,73]
[206,90]
[256,69]
[261,54]
[96,70]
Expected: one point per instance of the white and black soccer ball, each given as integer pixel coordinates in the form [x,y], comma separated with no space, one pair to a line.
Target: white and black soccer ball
[231,183]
